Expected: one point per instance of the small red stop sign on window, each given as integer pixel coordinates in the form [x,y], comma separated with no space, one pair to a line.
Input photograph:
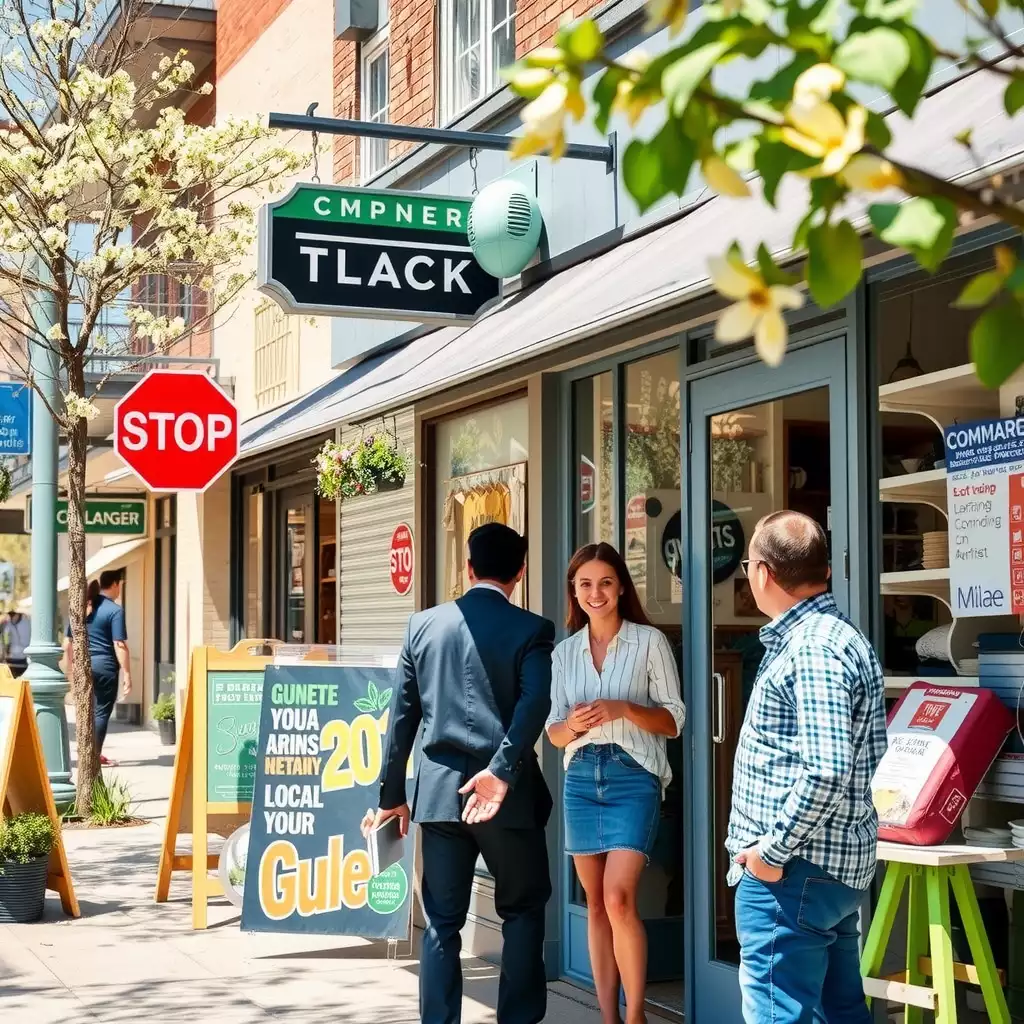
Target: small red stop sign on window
[401,560]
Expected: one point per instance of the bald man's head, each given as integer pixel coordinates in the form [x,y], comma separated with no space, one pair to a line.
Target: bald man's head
[795,549]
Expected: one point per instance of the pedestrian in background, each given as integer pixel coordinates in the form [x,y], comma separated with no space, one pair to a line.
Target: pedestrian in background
[108,650]
[615,699]
[16,635]
[803,828]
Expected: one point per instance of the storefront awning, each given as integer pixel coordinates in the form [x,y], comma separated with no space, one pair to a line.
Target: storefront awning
[113,556]
[652,272]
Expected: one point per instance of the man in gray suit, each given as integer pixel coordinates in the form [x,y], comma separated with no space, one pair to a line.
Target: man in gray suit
[476,675]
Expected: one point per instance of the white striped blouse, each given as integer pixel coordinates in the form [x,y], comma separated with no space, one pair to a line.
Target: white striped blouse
[639,667]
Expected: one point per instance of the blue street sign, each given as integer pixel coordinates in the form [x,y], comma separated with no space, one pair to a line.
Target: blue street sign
[15,418]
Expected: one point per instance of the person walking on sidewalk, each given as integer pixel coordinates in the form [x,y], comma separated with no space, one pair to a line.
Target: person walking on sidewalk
[108,650]
[803,829]
[16,634]
[476,673]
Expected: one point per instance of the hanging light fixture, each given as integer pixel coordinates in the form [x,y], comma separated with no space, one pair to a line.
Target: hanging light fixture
[908,366]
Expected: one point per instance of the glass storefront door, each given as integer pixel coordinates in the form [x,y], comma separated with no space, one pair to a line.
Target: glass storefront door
[762,441]
[298,568]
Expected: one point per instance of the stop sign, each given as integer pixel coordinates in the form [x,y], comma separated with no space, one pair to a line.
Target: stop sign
[176,430]
[401,560]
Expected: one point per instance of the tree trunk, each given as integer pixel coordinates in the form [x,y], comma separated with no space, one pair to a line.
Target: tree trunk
[81,670]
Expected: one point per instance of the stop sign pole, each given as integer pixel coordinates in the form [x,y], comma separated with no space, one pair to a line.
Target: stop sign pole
[176,430]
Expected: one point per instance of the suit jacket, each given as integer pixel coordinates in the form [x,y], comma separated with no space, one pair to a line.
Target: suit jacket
[476,675]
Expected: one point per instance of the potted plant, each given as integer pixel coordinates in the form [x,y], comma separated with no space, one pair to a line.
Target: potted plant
[25,844]
[163,715]
[350,471]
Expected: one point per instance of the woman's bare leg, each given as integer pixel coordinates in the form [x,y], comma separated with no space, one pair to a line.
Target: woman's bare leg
[599,937]
[622,872]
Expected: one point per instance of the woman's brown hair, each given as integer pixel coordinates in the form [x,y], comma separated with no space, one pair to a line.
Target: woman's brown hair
[630,607]
[92,597]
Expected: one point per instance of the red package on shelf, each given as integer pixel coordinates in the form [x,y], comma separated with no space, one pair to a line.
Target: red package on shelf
[942,741]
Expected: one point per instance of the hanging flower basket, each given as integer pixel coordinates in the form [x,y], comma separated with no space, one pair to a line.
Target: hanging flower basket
[350,471]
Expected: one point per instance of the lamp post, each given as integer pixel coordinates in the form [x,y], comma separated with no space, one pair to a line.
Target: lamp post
[49,687]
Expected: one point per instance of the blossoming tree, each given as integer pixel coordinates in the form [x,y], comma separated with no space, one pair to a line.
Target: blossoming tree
[103,181]
[802,121]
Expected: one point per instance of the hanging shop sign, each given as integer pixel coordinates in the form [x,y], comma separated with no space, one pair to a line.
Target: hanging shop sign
[372,253]
[985,501]
[320,755]
[401,560]
[104,515]
[15,418]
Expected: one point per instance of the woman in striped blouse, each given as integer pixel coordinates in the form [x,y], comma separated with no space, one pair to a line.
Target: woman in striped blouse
[615,698]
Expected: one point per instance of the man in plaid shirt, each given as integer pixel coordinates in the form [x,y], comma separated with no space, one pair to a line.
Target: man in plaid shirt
[803,829]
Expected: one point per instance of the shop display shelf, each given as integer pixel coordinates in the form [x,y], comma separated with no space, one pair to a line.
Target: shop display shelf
[927,488]
[895,685]
[923,582]
[936,395]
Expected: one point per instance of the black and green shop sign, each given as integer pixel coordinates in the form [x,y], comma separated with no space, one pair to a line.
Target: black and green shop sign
[103,515]
[372,253]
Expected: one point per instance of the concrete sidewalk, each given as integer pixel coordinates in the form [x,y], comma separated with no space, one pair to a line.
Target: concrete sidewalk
[130,959]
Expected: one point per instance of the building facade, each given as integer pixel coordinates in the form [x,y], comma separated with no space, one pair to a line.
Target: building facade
[593,400]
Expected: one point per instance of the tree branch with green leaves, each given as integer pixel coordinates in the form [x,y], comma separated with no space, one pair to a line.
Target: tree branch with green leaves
[805,122]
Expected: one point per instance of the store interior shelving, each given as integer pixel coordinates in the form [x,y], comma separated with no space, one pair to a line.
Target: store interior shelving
[949,395]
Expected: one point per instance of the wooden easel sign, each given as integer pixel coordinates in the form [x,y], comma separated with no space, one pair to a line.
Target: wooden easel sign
[24,784]
[215,766]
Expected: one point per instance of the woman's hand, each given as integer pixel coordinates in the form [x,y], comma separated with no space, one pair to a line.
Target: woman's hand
[576,719]
[600,712]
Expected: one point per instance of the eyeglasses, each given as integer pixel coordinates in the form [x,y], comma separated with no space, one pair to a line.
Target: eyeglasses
[746,563]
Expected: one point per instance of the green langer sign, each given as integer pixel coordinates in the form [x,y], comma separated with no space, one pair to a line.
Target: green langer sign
[372,253]
[104,515]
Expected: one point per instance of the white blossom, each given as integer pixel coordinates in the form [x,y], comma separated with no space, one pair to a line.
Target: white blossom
[79,408]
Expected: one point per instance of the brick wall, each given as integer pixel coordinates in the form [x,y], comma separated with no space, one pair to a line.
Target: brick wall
[346,104]
[414,79]
[239,24]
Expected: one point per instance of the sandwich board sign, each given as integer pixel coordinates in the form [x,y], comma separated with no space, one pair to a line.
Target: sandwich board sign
[215,764]
[320,756]
[24,784]
[372,253]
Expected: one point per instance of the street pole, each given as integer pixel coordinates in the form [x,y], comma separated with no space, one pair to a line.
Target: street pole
[48,685]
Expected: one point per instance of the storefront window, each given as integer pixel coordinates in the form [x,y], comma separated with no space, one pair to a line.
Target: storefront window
[327,570]
[253,573]
[594,459]
[164,613]
[480,478]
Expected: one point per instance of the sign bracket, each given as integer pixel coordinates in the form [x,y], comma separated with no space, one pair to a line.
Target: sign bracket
[447,137]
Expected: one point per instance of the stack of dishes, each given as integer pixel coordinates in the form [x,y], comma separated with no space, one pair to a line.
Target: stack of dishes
[936,550]
[991,837]
[969,666]
[1017,833]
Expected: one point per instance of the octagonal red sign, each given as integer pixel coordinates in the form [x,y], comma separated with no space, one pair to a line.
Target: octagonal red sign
[176,430]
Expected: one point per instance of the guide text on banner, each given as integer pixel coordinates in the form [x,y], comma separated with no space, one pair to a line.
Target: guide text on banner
[319,761]
[985,500]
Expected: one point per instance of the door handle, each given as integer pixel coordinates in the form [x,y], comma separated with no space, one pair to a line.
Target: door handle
[718,736]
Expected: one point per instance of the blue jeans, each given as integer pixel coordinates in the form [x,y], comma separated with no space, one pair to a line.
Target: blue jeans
[104,688]
[799,948]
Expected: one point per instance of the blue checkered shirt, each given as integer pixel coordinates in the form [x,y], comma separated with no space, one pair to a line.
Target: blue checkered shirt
[813,735]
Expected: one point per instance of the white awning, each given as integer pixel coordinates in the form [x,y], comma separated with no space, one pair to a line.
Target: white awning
[113,556]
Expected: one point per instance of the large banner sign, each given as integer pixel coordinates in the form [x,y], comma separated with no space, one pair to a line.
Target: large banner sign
[372,253]
[318,770]
[985,500]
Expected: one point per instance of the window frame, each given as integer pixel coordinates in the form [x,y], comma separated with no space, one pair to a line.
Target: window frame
[489,82]
[371,51]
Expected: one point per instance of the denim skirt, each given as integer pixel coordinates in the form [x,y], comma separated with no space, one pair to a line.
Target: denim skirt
[611,802]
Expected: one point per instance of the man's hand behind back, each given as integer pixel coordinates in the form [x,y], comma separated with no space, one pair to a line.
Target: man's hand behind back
[486,792]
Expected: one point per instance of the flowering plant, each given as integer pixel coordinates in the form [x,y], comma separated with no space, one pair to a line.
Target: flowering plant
[348,471]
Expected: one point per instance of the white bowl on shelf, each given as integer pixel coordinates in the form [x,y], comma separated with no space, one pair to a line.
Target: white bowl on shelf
[911,465]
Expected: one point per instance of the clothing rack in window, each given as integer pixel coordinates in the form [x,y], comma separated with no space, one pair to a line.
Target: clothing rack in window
[470,479]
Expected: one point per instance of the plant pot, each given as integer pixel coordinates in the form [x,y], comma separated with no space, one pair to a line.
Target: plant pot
[23,891]
[166,727]
[390,485]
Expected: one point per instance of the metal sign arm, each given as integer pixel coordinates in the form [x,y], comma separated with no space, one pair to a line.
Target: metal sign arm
[411,133]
